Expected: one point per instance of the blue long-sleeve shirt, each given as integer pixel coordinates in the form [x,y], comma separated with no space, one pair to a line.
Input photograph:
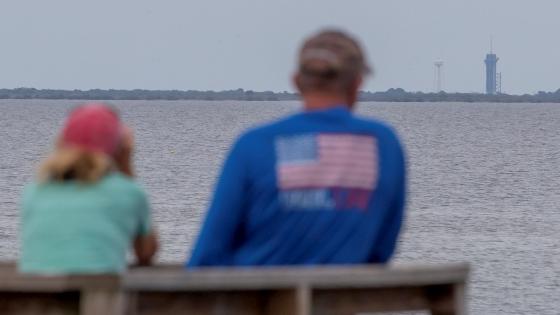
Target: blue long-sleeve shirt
[318,187]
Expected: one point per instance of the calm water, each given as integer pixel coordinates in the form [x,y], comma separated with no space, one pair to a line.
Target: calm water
[484,182]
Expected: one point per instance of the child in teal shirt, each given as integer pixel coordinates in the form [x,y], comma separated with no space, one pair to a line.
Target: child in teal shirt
[85,211]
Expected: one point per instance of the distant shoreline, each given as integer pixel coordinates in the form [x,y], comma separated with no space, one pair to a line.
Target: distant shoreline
[391,95]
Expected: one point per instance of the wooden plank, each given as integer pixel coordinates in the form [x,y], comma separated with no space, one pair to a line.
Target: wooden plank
[304,303]
[171,278]
[12,303]
[447,300]
[293,302]
[199,303]
[178,279]
[460,298]
[281,302]
[329,290]
[95,301]
[354,301]
[13,281]
[69,294]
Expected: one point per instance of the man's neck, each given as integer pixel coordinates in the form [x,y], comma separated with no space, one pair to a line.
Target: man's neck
[319,101]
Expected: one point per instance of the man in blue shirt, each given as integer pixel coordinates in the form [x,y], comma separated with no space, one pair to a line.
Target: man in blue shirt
[319,187]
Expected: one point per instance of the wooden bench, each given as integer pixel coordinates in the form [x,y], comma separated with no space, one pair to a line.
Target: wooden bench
[297,290]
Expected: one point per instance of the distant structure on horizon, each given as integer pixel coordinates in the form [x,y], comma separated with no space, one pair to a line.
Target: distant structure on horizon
[438,76]
[492,77]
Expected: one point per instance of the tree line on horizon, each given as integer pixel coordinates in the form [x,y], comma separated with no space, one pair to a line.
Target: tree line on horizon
[391,95]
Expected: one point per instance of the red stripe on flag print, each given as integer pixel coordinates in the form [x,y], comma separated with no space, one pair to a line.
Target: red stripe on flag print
[345,161]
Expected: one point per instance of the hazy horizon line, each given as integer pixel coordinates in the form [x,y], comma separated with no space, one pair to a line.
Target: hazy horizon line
[261,91]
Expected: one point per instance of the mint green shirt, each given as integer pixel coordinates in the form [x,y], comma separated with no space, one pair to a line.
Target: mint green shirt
[70,227]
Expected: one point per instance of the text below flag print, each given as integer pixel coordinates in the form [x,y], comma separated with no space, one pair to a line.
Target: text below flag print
[326,171]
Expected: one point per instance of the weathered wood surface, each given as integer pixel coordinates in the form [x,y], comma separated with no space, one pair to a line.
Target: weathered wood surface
[299,290]
[176,278]
[59,295]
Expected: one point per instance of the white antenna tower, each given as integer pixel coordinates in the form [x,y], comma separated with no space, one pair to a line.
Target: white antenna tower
[438,76]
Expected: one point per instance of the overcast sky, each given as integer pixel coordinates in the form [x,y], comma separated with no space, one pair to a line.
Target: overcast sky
[251,44]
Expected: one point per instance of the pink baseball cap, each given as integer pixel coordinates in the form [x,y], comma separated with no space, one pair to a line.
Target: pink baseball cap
[93,127]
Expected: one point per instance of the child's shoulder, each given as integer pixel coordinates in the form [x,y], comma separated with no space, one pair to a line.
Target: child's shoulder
[122,183]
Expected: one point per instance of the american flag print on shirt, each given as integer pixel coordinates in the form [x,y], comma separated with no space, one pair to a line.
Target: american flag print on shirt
[326,171]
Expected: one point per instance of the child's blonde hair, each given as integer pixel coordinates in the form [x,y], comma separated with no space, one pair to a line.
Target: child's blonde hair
[69,163]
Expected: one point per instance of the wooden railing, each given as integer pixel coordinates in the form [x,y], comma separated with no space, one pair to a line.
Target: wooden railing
[173,290]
